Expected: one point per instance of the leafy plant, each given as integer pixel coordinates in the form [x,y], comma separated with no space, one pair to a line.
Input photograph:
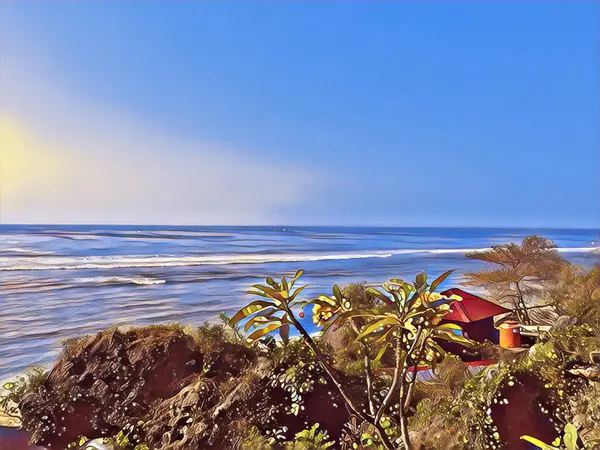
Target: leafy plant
[311,439]
[274,313]
[405,317]
[408,321]
[570,439]
[14,391]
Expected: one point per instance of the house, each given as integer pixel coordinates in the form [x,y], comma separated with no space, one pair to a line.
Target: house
[474,315]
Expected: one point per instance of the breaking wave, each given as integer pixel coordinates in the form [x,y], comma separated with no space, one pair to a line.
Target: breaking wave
[119,280]
[117,262]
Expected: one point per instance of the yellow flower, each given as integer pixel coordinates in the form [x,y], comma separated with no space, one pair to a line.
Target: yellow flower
[322,314]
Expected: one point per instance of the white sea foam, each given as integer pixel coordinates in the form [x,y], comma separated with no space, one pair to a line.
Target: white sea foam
[23,251]
[119,280]
[118,262]
[111,262]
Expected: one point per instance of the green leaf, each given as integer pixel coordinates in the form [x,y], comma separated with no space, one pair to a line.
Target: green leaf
[384,298]
[269,291]
[375,325]
[284,284]
[323,301]
[386,336]
[570,437]
[296,292]
[439,280]
[8,386]
[420,280]
[450,336]
[262,331]
[538,443]
[337,293]
[412,299]
[408,325]
[449,326]
[259,319]
[298,274]
[416,313]
[408,289]
[255,306]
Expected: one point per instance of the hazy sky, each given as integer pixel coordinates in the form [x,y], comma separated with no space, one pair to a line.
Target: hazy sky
[433,114]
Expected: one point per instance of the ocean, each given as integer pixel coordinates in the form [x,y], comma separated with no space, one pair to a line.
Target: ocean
[59,282]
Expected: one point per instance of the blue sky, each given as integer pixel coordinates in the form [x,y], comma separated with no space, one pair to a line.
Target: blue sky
[406,114]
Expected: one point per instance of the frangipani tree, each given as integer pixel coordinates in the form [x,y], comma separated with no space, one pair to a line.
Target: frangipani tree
[408,322]
[405,318]
[273,313]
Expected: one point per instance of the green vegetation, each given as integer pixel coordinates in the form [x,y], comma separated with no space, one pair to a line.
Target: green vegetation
[520,274]
[14,391]
[570,440]
[402,318]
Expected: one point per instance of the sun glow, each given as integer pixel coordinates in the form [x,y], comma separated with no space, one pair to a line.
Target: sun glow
[29,168]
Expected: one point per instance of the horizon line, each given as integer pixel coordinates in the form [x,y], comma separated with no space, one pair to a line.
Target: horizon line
[515,227]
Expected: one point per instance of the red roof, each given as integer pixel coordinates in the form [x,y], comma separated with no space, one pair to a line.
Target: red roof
[472,307]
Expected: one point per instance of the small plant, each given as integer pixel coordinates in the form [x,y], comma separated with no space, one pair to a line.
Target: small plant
[569,440]
[14,391]
[311,439]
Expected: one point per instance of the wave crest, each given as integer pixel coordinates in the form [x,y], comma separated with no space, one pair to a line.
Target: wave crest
[119,280]
[121,262]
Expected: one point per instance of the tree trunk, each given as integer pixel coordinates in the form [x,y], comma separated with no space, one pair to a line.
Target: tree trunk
[413,381]
[368,378]
[354,409]
[404,432]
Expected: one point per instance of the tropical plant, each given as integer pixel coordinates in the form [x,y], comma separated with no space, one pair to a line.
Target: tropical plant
[405,317]
[570,440]
[522,271]
[311,439]
[276,313]
[408,321]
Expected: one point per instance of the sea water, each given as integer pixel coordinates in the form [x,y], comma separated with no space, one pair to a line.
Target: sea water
[58,282]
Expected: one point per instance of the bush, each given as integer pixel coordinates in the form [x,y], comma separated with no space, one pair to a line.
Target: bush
[14,391]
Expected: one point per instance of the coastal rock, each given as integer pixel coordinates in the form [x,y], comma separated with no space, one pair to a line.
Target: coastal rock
[103,381]
[279,401]
[171,390]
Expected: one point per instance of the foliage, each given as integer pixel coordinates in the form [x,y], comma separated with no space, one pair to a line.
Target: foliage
[298,380]
[311,439]
[577,294]
[123,440]
[521,272]
[574,342]
[405,317]
[209,336]
[14,391]
[569,440]
[274,313]
[255,440]
[308,439]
